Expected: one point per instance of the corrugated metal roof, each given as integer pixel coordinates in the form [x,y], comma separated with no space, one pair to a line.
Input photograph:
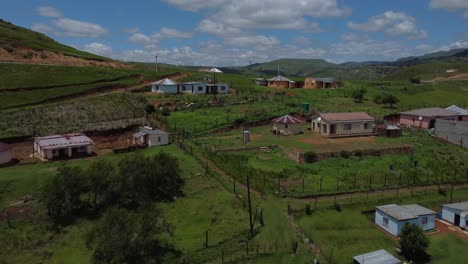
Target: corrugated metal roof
[457,109]
[349,116]
[146,131]
[215,70]
[165,81]
[63,141]
[463,206]
[325,80]
[287,119]
[377,257]
[4,147]
[404,212]
[280,78]
[429,112]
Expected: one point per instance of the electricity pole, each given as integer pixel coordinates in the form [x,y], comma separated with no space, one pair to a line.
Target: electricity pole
[156,57]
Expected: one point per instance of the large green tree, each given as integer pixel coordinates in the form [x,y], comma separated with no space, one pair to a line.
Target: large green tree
[414,243]
[358,95]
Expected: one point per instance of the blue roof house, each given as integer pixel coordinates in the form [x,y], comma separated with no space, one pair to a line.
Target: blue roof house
[392,218]
[456,213]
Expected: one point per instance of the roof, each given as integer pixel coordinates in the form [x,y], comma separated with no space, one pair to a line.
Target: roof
[215,70]
[63,141]
[377,257]
[388,127]
[165,81]
[188,83]
[287,119]
[432,111]
[146,131]
[280,78]
[348,116]
[457,109]
[4,147]
[404,212]
[325,80]
[463,206]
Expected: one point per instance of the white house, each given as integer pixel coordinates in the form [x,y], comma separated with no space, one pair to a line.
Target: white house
[165,86]
[217,88]
[192,88]
[149,137]
[5,155]
[392,218]
[376,257]
[286,125]
[63,146]
[456,213]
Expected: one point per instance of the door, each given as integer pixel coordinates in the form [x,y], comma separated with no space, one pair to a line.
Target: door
[432,123]
[457,220]
[332,129]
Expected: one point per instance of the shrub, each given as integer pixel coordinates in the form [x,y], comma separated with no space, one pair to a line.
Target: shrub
[310,157]
[239,121]
[337,207]
[358,153]
[345,154]
[414,243]
[308,210]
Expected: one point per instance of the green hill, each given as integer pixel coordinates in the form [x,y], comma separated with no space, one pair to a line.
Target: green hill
[13,37]
[294,67]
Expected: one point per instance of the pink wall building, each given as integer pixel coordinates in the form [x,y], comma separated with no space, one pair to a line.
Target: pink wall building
[426,117]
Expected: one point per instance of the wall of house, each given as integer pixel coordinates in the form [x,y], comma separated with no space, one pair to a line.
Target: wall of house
[278,84]
[464,220]
[223,88]
[392,226]
[448,214]
[172,89]
[309,83]
[430,222]
[292,129]
[196,89]
[5,157]
[357,128]
[158,140]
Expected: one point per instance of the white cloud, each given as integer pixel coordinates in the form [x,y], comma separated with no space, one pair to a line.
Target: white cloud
[76,28]
[450,5]
[49,11]
[393,24]
[174,33]
[253,41]
[211,27]
[98,48]
[302,41]
[369,49]
[461,44]
[195,5]
[42,28]
[140,38]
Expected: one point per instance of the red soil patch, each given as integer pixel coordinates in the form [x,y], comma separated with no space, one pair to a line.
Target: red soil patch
[443,227]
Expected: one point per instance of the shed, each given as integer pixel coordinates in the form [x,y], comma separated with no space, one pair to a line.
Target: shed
[281,82]
[165,86]
[456,213]
[319,83]
[343,124]
[149,137]
[389,130]
[261,81]
[462,113]
[426,117]
[287,125]
[5,156]
[63,146]
[392,218]
[376,257]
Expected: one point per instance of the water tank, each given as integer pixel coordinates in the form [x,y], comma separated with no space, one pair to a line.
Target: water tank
[305,107]
[246,136]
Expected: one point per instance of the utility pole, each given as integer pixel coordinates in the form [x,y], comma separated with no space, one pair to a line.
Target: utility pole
[156,57]
[250,205]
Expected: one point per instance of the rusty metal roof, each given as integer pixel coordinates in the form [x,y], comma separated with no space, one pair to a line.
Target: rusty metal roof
[63,141]
[287,119]
[346,116]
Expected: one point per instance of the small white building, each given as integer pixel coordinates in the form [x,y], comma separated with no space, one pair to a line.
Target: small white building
[286,125]
[63,146]
[217,88]
[5,156]
[192,88]
[148,137]
[456,213]
[166,86]
[392,218]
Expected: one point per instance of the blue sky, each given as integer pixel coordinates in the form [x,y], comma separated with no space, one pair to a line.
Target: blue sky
[224,32]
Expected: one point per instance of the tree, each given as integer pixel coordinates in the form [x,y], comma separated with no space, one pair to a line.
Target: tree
[122,236]
[378,99]
[358,95]
[414,243]
[310,157]
[149,108]
[390,100]
[100,175]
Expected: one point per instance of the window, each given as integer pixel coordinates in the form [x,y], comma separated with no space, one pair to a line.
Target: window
[366,125]
[347,127]
[324,128]
[183,87]
[286,126]
[159,139]
[424,220]
[385,221]
[223,88]
[200,88]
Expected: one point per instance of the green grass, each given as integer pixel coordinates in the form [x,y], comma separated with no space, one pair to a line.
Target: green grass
[447,249]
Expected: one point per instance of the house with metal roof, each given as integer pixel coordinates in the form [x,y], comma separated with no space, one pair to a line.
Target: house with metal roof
[376,257]
[192,88]
[343,124]
[392,218]
[286,125]
[281,82]
[261,81]
[319,83]
[63,146]
[462,113]
[5,156]
[149,137]
[456,213]
[166,86]
[426,117]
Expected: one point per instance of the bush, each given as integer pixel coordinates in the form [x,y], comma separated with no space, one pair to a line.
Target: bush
[358,153]
[414,243]
[310,157]
[345,154]
[239,121]
[337,207]
[308,210]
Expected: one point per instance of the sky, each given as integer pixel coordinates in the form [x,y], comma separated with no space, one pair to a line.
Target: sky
[240,32]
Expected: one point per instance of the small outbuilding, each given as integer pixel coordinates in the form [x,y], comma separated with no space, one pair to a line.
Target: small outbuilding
[192,88]
[217,88]
[63,146]
[426,117]
[389,130]
[149,137]
[392,218]
[456,213]
[166,86]
[281,82]
[376,257]
[462,113]
[319,83]
[5,156]
[343,124]
[261,81]
[287,125]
